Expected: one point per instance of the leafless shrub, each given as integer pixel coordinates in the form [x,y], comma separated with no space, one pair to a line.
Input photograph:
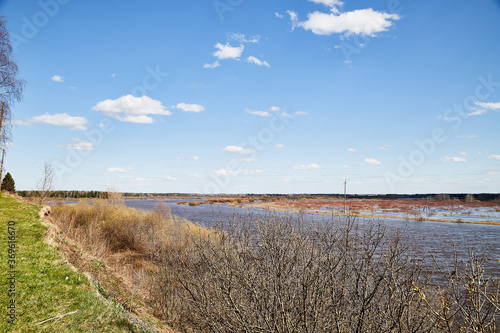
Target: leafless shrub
[471,300]
[279,275]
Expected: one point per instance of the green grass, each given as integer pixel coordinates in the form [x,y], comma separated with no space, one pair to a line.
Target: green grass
[46,286]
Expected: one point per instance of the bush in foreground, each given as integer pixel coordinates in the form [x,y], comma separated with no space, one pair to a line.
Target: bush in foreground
[277,275]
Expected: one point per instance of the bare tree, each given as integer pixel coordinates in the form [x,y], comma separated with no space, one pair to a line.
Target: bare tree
[45,184]
[11,86]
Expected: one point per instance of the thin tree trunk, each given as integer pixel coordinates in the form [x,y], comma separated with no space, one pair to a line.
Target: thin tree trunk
[3,149]
[1,119]
[1,167]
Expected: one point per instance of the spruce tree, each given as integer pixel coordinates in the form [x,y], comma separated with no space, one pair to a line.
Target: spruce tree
[8,183]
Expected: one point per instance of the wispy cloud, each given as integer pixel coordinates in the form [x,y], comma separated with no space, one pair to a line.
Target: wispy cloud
[279,145]
[245,159]
[226,172]
[351,150]
[61,119]
[241,38]
[483,108]
[193,158]
[238,150]
[132,109]
[454,159]
[190,107]
[212,65]
[259,113]
[312,166]
[301,113]
[118,170]
[372,161]
[494,157]
[79,145]
[255,60]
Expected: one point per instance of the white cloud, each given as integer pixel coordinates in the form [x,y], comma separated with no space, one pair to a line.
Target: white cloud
[384,147]
[293,16]
[453,159]
[494,157]
[301,113]
[194,158]
[366,22]
[254,60]
[170,178]
[279,145]
[347,166]
[312,166]
[484,107]
[351,150]
[372,161]
[244,159]
[329,3]
[120,170]
[213,65]
[57,78]
[259,113]
[61,119]
[468,136]
[477,112]
[489,106]
[238,172]
[228,52]
[80,145]
[190,107]
[239,150]
[278,15]
[132,109]
[463,153]
[275,109]
[242,39]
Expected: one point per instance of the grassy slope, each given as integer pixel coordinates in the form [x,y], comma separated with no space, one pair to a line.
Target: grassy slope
[46,285]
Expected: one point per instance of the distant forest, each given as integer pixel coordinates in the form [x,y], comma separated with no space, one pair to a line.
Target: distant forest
[269,197]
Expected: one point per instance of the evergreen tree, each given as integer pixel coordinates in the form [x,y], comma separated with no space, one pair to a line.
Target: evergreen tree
[8,183]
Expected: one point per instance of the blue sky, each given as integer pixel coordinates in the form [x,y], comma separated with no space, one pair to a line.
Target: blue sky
[238,96]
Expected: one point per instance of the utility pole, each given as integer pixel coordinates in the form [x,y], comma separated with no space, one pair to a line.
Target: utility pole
[345,196]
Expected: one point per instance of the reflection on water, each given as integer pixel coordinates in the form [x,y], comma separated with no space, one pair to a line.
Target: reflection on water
[441,238]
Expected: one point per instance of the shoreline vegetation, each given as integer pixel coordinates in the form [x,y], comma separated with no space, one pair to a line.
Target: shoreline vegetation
[270,274]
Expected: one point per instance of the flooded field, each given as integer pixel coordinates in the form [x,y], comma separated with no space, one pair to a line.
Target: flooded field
[452,211]
[439,238]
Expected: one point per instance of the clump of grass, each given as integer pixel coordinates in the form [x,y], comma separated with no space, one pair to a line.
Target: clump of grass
[195,203]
